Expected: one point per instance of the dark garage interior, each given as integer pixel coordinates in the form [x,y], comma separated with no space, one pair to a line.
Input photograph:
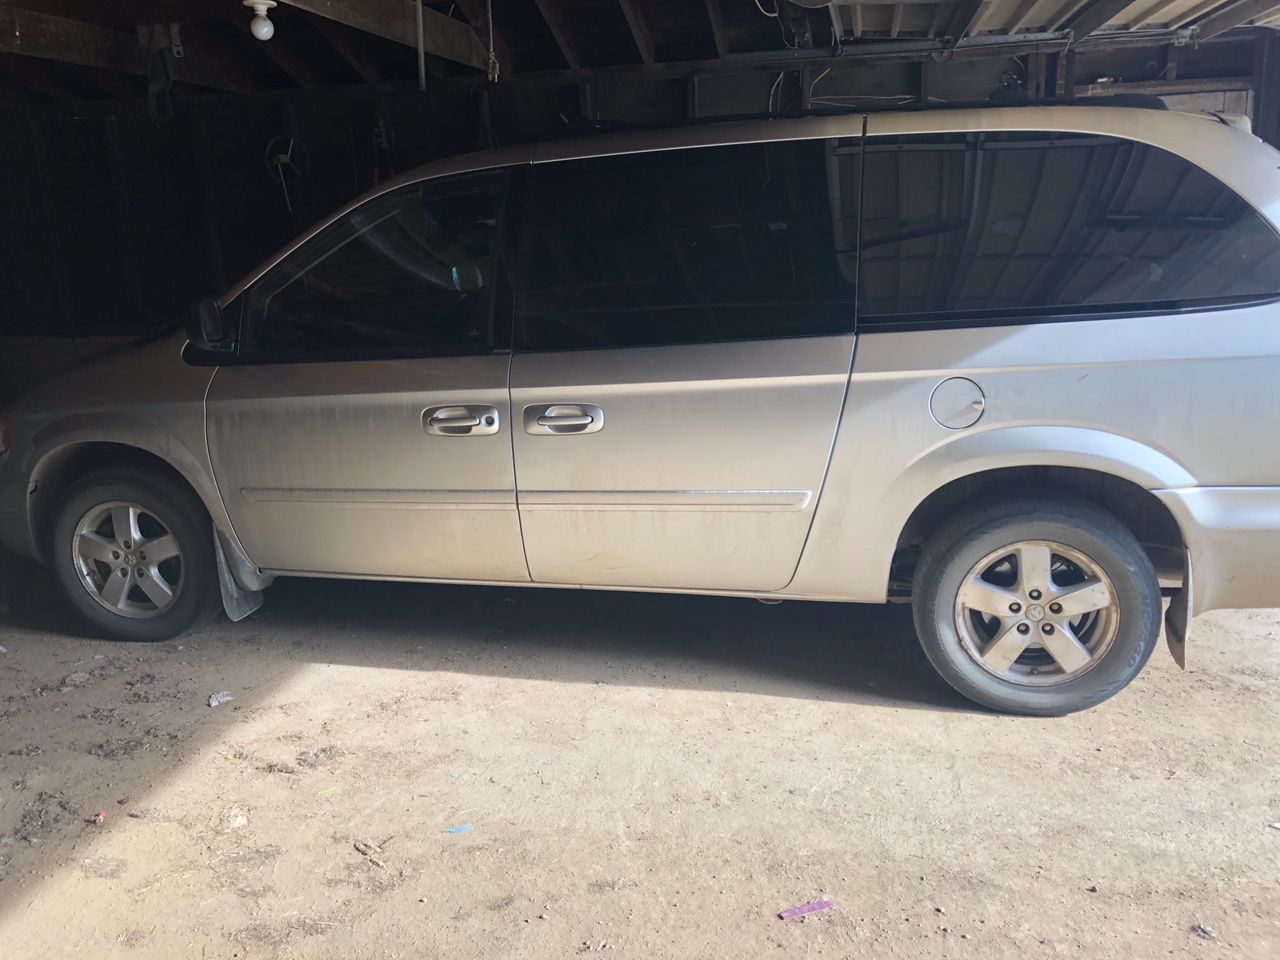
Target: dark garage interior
[376,769]
[154,151]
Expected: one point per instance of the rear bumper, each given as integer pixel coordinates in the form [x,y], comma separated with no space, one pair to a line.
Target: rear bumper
[1233,538]
[15,527]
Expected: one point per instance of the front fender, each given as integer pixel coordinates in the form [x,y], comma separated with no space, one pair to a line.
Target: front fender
[179,442]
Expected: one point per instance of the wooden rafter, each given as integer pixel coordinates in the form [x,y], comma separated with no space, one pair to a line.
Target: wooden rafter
[717,28]
[1235,15]
[477,14]
[963,19]
[1095,16]
[285,58]
[46,37]
[556,23]
[639,29]
[348,51]
[397,20]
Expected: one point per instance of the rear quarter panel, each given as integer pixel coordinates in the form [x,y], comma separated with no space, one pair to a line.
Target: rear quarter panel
[1169,401]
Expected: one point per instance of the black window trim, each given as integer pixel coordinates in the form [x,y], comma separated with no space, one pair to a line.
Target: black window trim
[1027,316]
[507,179]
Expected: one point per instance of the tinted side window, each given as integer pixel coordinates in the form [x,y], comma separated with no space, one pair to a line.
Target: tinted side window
[688,246]
[408,274]
[977,224]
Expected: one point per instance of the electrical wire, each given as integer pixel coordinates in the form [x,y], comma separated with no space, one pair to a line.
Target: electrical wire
[772,91]
[815,80]
[766,12]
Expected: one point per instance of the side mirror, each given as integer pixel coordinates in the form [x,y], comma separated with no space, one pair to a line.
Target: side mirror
[206,327]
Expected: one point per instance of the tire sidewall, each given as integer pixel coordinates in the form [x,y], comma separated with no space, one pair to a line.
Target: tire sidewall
[185,519]
[1108,545]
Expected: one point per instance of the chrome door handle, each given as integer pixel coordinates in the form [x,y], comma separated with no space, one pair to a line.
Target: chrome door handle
[565,421]
[552,419]
[461,420]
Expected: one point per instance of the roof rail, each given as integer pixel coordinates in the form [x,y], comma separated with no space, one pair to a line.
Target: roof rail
[1139,101]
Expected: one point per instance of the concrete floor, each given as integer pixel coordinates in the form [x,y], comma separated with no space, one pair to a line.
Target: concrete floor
[640,776]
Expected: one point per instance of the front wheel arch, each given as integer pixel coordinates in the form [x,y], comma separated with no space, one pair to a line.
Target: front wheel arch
[61,467]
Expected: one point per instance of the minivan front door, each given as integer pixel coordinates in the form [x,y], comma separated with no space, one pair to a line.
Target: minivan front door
[364,429]
[684,339]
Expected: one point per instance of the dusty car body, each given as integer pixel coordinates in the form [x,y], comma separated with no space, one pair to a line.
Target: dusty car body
[923,317]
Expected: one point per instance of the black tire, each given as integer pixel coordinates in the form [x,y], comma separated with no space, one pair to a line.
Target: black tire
[172,503]
[954,550]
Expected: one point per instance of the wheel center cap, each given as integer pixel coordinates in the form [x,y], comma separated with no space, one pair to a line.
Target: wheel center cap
[1035,612]
[130,560]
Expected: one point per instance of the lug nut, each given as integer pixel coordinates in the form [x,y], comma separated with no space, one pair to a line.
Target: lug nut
[1024,628]
[124,572]
[115,554]
[1015,608]
[1047,628]
[1034,594]
[1055,608]
[142,572]
[128,544]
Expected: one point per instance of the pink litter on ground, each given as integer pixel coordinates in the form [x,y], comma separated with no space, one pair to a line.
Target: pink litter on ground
[817,906]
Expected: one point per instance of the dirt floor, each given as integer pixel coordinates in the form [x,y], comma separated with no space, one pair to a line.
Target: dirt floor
[420,772]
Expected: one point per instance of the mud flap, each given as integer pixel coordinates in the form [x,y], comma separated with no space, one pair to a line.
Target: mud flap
[1177,619]
[236,600]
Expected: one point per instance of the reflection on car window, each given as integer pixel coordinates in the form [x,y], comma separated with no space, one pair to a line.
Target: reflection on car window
[406,274]
[686,246]
[999,221]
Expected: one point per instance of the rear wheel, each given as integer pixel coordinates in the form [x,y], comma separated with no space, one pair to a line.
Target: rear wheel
[133,552]
[1037,606]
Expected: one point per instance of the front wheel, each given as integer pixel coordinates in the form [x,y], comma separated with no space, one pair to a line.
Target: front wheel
[1039,607]
[133,552]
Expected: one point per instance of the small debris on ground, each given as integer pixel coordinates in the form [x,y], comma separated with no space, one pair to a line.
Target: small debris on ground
[466,828]
[1203,932]
[279,767]
[1092,889]
[233,819]
[3,648]
[817,906]
[219,698]
[98,819]
[369,849]
[1275,826]
[77,679]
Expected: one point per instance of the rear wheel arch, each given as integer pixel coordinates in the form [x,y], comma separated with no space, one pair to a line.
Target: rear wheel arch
[1137,508]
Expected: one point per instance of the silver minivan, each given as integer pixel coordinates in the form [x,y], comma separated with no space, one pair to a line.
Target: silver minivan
[1016,365]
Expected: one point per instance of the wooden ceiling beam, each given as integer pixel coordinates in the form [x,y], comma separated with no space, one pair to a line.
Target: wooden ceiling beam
[1232,16]
[348,51]
[397,20]
[717,28]
[285,58]
[962,20]
[639,29]
[1096,16]
[477,14]
[556,23]
[46,37]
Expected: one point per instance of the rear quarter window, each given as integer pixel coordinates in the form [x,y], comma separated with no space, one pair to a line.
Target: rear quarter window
[989,225]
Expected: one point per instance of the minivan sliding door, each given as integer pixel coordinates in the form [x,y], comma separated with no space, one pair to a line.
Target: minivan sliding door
[684,333]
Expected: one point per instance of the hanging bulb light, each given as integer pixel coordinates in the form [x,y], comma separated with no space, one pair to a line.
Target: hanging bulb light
[261,26]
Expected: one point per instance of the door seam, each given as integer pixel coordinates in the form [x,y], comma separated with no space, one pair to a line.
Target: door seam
[515,468]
